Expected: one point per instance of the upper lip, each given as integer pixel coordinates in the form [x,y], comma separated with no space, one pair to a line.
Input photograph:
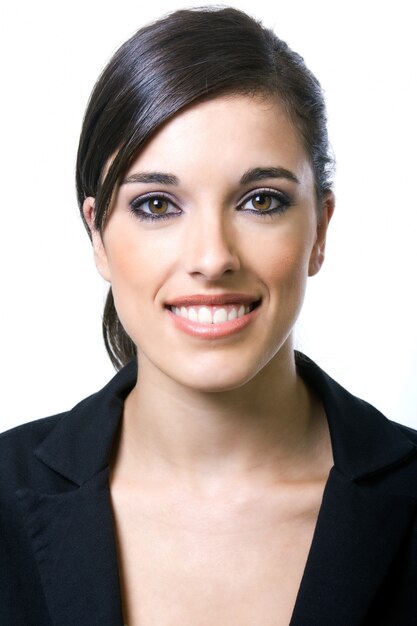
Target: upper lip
[213,299]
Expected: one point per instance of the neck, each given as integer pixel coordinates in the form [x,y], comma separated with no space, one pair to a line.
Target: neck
[259,431]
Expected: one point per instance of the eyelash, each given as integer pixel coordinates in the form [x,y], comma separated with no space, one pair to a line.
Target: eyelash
[284,204]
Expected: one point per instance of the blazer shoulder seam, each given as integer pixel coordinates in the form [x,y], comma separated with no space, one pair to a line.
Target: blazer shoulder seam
[406,430]
[32,425]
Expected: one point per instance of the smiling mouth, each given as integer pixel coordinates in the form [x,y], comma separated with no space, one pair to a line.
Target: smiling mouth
[218,314]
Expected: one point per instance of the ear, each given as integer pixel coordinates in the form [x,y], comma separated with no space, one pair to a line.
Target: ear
[317,253]
[100,255]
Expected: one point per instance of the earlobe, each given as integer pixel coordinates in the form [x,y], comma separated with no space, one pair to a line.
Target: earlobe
[100,255]
[317,253]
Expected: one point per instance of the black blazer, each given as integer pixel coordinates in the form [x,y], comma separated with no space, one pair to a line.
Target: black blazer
[58,562]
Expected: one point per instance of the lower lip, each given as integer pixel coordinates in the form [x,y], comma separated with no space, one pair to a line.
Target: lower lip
[213,331]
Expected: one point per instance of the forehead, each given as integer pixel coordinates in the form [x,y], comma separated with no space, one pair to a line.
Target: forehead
[224,137]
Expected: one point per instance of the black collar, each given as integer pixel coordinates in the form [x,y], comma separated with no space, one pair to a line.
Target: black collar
[363,440]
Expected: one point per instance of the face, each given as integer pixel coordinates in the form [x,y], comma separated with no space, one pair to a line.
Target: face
[210,240]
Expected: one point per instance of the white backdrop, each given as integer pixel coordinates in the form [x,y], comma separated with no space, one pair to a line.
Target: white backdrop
[359,320]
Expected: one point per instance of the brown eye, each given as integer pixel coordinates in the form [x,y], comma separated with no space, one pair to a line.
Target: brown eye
[157,206]
[266,202]
[262,202]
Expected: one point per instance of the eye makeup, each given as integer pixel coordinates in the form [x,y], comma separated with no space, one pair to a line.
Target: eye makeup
[277,202]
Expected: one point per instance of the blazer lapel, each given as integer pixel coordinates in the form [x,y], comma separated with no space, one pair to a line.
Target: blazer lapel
[73,543]
[357,535]
[363,516]
[71,529]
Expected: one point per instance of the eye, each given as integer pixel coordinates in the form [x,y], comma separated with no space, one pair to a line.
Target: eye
[153,207]
[266,201]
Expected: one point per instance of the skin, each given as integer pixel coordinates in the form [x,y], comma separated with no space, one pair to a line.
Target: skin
[207,416]
[218,472]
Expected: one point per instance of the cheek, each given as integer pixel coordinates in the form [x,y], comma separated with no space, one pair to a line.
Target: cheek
[139,264]
[131,258]
[283,261]
[131,266]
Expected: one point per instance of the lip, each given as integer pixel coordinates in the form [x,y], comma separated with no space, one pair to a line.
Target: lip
[212,299]
[213,331]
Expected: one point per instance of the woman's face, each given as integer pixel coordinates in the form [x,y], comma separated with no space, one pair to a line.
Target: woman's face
[221,203]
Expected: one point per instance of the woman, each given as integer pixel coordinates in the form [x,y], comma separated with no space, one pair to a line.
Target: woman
[220,477]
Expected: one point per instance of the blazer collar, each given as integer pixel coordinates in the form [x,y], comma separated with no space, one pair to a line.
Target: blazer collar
[79,446]
[364,442]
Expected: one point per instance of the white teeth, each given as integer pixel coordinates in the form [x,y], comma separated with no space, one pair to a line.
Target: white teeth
[232,315]
[192,315]
[220,315]
[211,315]
[204,315]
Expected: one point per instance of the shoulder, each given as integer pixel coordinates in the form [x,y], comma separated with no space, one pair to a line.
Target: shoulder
[17,446]
[59,451]
[365,443]
[29,431]
[409,432]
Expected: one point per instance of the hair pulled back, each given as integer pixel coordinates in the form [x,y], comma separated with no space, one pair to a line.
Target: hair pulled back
[183,58]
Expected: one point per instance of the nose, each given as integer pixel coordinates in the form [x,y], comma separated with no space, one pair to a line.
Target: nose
[210,248]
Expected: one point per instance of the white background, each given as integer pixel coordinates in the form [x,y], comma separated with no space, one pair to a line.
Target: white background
[359,320]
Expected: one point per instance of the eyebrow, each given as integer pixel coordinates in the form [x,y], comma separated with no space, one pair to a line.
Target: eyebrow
[250,176]
[259,173]
[151,177]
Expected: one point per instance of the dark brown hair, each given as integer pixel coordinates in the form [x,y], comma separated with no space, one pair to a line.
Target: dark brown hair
[183,58]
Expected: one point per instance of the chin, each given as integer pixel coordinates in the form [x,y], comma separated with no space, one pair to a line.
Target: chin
[214,379]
